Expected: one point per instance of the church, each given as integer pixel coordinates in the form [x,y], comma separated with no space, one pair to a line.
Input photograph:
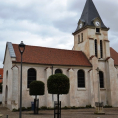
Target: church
[91,50]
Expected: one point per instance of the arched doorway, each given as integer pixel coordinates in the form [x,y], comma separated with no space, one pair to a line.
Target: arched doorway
[6,94]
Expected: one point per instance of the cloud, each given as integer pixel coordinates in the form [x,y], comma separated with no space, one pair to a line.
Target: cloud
[50,23]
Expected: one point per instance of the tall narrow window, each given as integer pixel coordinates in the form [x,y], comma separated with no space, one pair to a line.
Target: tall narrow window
[96,54]
[78,38]
[58,71]
[101,49]
[97,30]
[31,76]
[81,37]
[81,79]
[7,74]
[101,79]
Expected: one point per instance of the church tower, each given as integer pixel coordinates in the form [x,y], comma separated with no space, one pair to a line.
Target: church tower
[91,35]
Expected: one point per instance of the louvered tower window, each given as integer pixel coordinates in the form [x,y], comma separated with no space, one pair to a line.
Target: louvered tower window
[96,54]
[101,49]
[81,37]
[81,79]
[101,79]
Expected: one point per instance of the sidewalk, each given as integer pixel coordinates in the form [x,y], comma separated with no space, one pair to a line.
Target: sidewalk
[77,113]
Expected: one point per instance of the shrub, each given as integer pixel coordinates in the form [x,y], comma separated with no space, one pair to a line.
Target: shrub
[28,108]
[88,106]
[58,84]
[14,110]
[36,88]
[107,106]
[43,107]
[66,107]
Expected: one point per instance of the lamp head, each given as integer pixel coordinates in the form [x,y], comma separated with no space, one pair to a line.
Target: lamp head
[21,47]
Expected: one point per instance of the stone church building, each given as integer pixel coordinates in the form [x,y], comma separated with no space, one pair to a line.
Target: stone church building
[91,50]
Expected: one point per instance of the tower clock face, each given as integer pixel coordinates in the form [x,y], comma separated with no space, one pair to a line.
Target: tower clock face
[80,25]
[97,23]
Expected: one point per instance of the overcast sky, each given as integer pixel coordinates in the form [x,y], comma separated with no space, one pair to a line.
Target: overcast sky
[50,23]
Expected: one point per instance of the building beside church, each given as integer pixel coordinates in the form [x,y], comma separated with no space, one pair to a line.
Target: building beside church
[1,75]
[91,50]
[1,79]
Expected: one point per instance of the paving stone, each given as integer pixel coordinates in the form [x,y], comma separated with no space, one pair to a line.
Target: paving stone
[75,113]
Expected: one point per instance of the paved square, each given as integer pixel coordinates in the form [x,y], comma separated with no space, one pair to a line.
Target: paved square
[77,113]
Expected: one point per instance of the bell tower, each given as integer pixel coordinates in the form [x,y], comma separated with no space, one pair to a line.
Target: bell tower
[91,35]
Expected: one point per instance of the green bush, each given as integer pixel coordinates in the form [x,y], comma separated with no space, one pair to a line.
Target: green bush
[66,107]
[14,110]
[58,84]
[88,106]
[23,109]
[36,88]
[28,108]
[43,108]
[107,106]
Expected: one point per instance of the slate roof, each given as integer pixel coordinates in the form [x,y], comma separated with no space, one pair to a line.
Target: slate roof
[43,55]
[11,50]
[89,13]
[114,56]
[1,73]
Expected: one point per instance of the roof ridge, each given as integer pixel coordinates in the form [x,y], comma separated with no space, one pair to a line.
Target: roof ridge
[50,48]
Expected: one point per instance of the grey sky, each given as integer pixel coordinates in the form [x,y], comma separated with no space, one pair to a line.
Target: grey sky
[50,23]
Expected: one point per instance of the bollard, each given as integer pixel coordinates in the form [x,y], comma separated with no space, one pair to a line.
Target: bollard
[7,116]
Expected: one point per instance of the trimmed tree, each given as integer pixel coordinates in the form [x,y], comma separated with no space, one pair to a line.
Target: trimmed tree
[36,88]
[58,84]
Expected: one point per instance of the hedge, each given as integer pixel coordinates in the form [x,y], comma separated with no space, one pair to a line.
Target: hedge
[36,88]
[58,84]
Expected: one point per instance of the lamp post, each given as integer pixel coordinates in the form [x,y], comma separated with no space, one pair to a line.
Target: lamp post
[21,50]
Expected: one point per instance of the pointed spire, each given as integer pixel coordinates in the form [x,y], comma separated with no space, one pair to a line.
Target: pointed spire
[89,13]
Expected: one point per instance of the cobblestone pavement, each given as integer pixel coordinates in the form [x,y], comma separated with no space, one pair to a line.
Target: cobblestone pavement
[77,113]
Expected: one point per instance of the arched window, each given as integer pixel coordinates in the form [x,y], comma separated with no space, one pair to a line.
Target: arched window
[7,74]
[81,37]
[96,53]
[101,79]
[31,76]
[78,39]
[101,49]
[6,94]
[81,79]
[58,71]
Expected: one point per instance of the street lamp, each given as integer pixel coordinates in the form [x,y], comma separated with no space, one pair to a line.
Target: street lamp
[21,50]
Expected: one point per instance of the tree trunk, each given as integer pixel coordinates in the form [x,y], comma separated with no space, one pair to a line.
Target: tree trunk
[58,105]
[35,105]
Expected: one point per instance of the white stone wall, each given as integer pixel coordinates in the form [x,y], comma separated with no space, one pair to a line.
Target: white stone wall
[77,97]
[7,81]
